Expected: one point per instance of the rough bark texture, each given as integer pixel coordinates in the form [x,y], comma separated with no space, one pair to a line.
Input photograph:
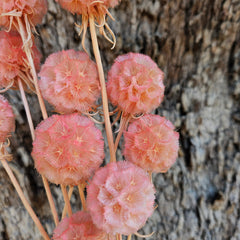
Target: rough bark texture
[197,44]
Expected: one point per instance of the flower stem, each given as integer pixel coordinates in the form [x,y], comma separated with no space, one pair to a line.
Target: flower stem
[129,237]
[103,89]
[65,206]
[23,33]
[82,196]
[24,200]
[27,110]
[66,199]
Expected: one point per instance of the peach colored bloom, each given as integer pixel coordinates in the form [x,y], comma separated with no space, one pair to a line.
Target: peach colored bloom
[69,81]
[78,227]
[7,120]
[120,198]
[151,143]
[135,84]
[12,58]
[67,149]
[34,9]
[85,7]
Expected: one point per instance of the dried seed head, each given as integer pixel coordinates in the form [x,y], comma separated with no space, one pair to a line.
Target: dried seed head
[120,198]
[13,61]
[67,149]
[69,81]
[7,120]
[151,143]
[34,9]
[87,7]
[78,227]
[135,84]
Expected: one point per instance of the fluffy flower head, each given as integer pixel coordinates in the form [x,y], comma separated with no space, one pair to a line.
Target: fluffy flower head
[78,227]
[151,143]
[7,121]
[85,7]
[120,198]
[67,149]
[69,81]
[12,58]
[34,9]
[135,83]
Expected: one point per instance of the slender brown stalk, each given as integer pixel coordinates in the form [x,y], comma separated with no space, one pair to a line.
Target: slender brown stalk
[64,213]
[23,33]
[129,237]
[103,89]
[82,196]
[66,199]
[24,200]
[27,110]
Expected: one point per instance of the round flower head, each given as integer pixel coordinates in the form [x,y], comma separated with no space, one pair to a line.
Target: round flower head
[151,143]
[78,227]
[33,9]
[7,121]
[67,149]
[69,81]
[120,198]
[135,84]
[87,7]
[91,8]
[13,61]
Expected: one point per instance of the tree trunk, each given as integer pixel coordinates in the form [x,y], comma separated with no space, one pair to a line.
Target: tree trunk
[197,45]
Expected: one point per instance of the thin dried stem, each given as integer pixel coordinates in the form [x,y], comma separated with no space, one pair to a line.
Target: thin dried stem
[24,200]
[116,119]
[123,126]
[27,110]
[81,188]
[24,35]
[143,236]
[66,200]
[103,89]
[129,237]
[64,213]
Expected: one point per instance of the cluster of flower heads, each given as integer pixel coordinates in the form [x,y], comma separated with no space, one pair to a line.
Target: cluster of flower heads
[79,227]
[13,61]
[69,81]
[7,120]
[135,84]
[120,198]
[67,149]
[33,9]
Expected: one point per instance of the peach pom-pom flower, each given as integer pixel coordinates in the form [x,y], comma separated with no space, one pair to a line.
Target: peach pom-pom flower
[78,227]
[135,84]
[69,81]
[13,60]
[120,198]
[33,9]
[67,149]
[151,143]
[7,120]
[85,7]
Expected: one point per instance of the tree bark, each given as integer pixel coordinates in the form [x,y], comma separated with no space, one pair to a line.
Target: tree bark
[197,45]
